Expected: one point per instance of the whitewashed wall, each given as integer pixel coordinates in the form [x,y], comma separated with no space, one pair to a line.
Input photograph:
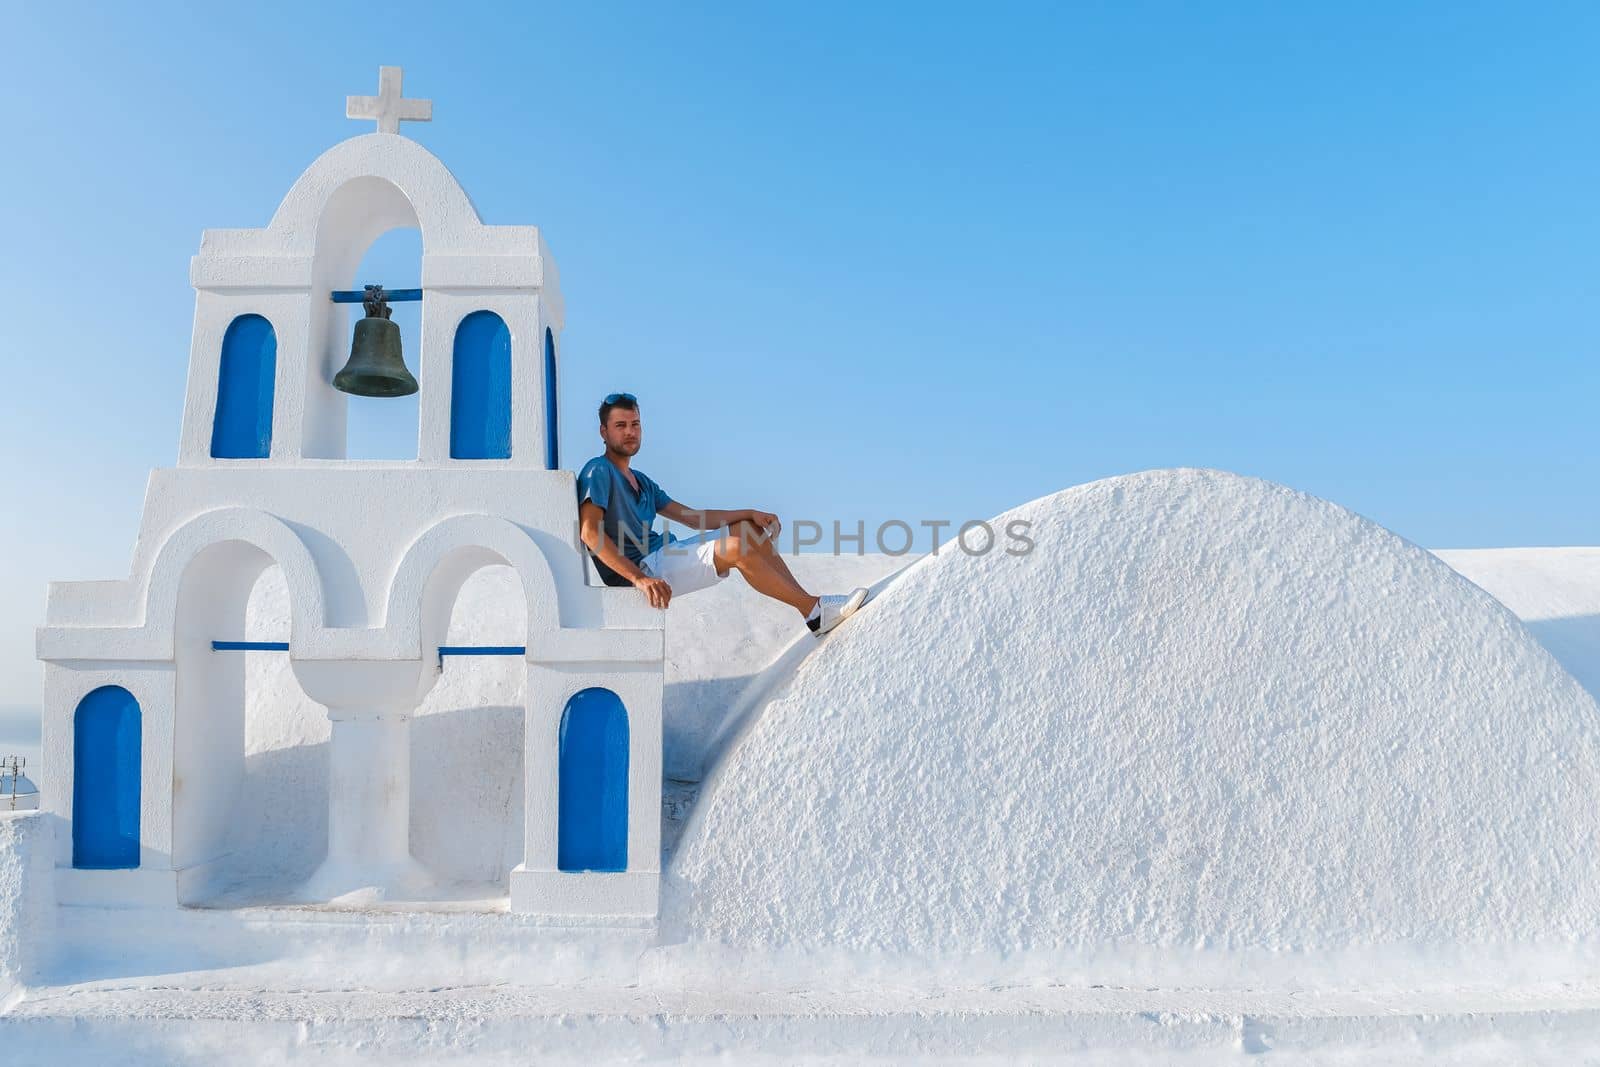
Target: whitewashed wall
[467,737]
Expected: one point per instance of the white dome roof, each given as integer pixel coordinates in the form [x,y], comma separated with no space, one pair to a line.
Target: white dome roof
[1207,714]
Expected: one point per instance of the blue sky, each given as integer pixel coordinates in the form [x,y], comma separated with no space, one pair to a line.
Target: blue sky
[868,261]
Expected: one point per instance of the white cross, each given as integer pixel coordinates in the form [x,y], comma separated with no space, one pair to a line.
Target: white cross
[387,107]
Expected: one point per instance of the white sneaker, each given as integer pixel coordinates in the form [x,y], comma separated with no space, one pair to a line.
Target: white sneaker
[832,610]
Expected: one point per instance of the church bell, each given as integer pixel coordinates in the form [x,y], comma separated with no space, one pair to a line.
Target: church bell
[375,367]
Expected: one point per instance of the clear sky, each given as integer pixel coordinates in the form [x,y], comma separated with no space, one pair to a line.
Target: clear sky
[868,261]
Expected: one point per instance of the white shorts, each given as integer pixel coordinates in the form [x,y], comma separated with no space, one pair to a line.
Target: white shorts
[687,565]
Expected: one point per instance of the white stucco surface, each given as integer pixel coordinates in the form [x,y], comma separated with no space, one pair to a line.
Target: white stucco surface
[466,752]
[719,640]
[1209,719]
[1554,591]
[467,736]
[27,902]
[1278,713]
[466,761]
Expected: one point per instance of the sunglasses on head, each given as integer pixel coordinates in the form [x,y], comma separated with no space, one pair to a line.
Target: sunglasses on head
[612,398]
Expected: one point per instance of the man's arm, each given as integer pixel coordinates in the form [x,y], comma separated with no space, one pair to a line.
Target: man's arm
[590,516]
[713,518]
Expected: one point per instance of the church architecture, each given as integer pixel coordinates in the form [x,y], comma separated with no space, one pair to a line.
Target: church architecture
[144,701]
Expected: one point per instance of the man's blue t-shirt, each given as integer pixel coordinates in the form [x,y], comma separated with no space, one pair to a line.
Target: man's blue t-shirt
[630,515]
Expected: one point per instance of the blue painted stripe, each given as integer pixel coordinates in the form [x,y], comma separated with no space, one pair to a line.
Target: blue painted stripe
[480,388]
[393,296]
[444,650]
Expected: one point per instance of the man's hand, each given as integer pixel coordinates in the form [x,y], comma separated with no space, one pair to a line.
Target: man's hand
[656,590]
[766,520]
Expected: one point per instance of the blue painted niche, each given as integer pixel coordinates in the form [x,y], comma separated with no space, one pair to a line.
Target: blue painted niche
[593,799]
[242,427]
[552,440]
[480,390]
[105,780]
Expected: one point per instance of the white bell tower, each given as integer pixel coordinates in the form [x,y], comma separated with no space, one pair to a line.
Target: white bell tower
[144,687]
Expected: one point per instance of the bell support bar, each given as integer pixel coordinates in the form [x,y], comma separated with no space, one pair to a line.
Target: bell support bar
[357,296]
[444,650]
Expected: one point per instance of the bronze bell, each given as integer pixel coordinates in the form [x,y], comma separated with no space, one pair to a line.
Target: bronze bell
[375,367]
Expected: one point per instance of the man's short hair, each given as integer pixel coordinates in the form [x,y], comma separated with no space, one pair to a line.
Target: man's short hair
[625,402]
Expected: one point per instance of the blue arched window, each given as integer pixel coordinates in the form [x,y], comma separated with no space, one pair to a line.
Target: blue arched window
[552,441]
[105,780]
[480,391]
[593,800]
[242,428]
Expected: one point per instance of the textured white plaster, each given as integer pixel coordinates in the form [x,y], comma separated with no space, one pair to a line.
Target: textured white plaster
[27,896]
[720,639]
[1554,591]
[292,985]
[1206,715]
[467,818]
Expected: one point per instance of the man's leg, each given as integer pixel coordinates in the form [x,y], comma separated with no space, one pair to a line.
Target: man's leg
[750,552]
[777,556]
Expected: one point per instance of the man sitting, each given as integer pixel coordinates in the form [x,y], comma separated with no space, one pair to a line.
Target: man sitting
[617,507]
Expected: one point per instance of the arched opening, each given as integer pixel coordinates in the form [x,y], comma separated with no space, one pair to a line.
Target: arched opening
[467,812]
[367,233]
[106,747]
[249,812]
[242,426]
[592,819]
[480,393]
[387,427]
[552,438]
[276,830]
